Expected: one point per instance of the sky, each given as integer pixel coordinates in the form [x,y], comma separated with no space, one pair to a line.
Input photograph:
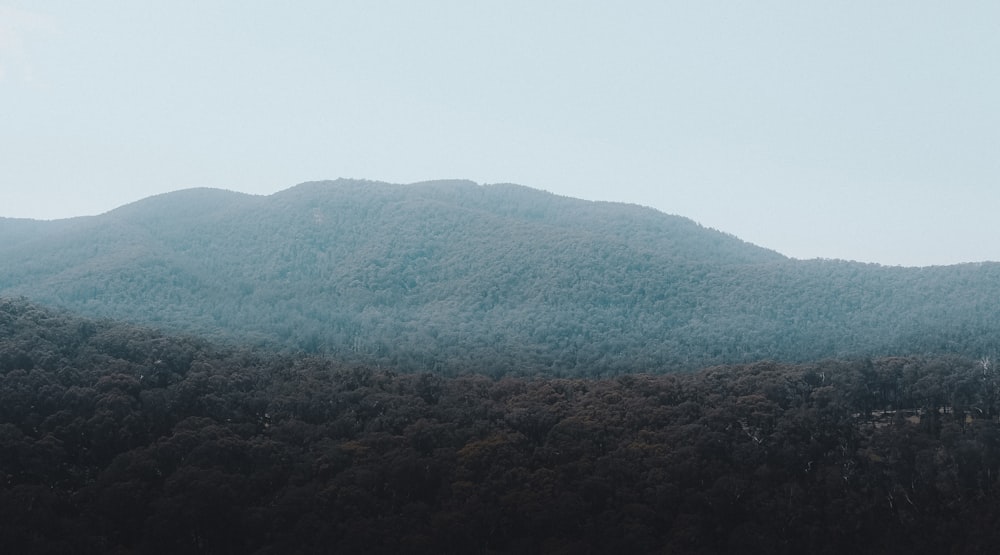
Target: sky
[857,130]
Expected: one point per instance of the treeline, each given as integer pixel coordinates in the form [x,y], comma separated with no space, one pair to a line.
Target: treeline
[116,439]
[449,277]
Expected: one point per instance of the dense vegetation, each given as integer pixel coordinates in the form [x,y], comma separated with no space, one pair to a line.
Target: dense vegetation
[452,277]
[117,439]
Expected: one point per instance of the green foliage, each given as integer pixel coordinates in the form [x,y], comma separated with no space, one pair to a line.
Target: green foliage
[450,277]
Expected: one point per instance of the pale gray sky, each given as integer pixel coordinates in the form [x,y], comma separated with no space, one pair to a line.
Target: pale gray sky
[861,130]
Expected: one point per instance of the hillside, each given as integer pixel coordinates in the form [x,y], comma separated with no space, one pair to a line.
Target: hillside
[451,275]
[118,439]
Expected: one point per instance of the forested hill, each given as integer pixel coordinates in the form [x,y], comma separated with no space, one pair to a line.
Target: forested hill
[451,275]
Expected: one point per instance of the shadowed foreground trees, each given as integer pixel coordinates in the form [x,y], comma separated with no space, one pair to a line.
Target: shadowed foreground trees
[118,440]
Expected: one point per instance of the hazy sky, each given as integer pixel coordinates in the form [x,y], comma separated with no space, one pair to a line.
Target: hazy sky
[862,130]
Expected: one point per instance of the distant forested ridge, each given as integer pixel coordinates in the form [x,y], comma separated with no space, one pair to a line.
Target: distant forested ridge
[452,276]
[118,439]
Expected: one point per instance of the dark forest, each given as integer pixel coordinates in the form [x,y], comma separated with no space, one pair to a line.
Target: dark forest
[120,439]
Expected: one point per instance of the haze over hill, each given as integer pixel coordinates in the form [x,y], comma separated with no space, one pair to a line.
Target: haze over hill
[450,275]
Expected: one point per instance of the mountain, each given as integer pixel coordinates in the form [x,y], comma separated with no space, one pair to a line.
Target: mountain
[450,275]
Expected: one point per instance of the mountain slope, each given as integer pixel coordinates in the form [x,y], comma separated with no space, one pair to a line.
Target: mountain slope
[448,275]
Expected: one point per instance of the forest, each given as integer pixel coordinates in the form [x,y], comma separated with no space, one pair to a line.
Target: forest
[116,438]
[451,277]
[354,366]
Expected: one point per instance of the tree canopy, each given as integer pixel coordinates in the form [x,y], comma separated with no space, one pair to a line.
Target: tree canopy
[450,277]
[120,439]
